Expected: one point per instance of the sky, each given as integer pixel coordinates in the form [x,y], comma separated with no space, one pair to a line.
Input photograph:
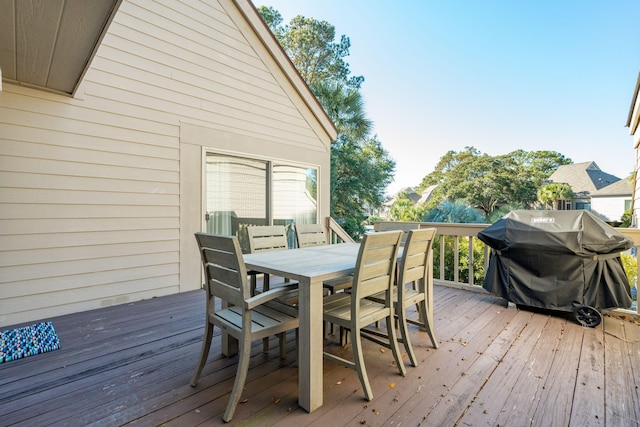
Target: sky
[498,75]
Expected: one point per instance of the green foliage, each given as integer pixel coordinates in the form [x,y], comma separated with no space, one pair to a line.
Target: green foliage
[361,168]
[488,182]
[359,174]
[403,209]
[311,46]
[551,194]
[454,212]
[463,259]
[626,219]
[353,226]
[374,218]
[272,18]
[630,265]
[499,213]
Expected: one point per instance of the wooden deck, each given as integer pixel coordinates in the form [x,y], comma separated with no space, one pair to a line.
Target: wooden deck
[131,364]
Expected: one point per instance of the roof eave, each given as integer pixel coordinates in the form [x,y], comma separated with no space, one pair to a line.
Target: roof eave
[634,106]
[251,15]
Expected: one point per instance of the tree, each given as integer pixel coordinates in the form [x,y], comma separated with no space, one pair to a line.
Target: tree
[403,209]
[359,174]
[310,45]
[361,168]
[488,182]
[454,212]
[345,108]
[551,194]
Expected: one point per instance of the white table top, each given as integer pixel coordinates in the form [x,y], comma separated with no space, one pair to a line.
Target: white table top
[318,262]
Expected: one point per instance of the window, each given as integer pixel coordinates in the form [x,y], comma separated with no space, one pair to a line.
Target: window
[295,194]
[564,205]
[585,206]
[241,192]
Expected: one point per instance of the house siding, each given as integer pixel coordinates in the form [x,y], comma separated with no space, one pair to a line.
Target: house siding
[609,209]
[633,121]
[100,194]
[636,190]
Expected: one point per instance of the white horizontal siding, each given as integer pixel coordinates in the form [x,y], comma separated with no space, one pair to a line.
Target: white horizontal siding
[92,208]
[636,192]
[211,75]
[609,208]
[89,206]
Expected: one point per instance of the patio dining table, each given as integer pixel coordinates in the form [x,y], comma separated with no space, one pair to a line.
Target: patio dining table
[310,267]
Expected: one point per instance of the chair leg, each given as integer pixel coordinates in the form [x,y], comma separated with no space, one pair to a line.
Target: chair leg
[428,324]
[358,358]
[297,345]
[253,282]
[393,341]
[241,377]
[344,336]
[204,352]
[265,287]
[401,319]
[282,337]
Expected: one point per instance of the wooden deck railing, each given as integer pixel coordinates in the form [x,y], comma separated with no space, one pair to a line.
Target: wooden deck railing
[459,245]
[336,232]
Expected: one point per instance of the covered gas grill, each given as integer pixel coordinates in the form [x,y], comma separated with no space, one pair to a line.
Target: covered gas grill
[559,260]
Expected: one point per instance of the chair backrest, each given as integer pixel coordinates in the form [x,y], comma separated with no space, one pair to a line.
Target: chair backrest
[415,262]
[224,269]
[376,264]
[405,227]
[267,238]
[310,235]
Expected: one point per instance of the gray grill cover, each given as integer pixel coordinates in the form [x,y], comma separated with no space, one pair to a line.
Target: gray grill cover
[556,260]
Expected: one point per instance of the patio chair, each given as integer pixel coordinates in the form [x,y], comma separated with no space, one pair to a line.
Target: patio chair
[310,235]
[314,235]
[264,238]
[374,273]
[414,269]
[244,316]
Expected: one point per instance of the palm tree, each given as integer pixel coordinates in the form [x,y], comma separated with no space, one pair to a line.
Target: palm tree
[345,107]
[552,193]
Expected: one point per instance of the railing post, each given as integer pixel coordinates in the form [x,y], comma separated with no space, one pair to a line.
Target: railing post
[456,259]
[442,252]
[471,278]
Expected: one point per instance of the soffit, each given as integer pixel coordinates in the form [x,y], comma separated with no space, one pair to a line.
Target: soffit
[49,44]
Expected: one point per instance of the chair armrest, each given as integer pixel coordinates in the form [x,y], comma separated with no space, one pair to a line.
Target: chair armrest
[269,295]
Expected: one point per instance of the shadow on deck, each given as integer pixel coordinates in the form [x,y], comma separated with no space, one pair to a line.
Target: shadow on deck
[495,366]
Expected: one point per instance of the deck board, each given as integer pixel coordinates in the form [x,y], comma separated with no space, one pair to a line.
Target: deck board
[131,364]
[622,405]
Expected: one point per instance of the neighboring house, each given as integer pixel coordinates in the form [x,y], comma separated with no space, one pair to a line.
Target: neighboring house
[128,125]
[416,199]
[386,206]
[612,201]
[426,194]
[586,180]
[633,120]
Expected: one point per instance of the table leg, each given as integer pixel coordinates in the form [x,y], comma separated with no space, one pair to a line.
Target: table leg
[310,388]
